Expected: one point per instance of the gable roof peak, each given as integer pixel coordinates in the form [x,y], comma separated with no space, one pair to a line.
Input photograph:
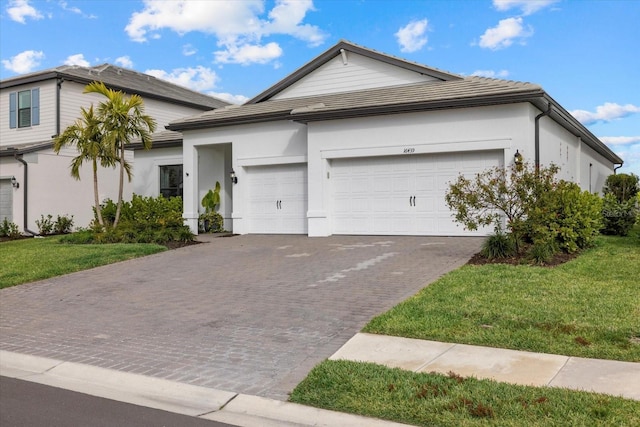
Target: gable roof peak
[337,49]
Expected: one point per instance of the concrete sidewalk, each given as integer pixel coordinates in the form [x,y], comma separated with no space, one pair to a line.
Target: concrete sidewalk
[510,366]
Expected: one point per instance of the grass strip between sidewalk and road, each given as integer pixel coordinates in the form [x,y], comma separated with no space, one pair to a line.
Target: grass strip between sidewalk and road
[440,400]
[27,260]
[588,307]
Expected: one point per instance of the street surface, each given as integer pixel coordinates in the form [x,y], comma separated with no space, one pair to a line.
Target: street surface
[23,403]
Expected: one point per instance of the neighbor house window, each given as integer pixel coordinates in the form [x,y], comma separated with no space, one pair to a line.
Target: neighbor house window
[24,108]
[171,180]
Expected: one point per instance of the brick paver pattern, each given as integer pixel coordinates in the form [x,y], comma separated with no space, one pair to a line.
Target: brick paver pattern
[248,314]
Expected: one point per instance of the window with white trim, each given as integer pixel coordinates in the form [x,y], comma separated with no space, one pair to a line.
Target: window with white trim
[24,108]
[171,180]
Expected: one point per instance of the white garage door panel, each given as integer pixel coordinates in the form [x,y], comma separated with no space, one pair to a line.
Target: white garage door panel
[398,195]
[6,200]
[277,201]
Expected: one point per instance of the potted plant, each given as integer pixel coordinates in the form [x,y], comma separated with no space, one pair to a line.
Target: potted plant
[211,221]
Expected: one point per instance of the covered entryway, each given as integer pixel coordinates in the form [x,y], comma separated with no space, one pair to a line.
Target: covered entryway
[277,200]
[6,200]
[401,195]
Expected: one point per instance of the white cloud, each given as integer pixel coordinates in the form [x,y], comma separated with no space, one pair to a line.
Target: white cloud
[73,9]
[20,9]
[77,59]
[24,62]
[412,36]
[491,74]
[247,54]
[188,50]
[124,61]
[238,25]
[526,6]
[504,34]
[65,6]
[234,99]
[605,113]
[620,140]
[286,18]
[195,78]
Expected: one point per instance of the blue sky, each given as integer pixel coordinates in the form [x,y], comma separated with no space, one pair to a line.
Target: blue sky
[584,53]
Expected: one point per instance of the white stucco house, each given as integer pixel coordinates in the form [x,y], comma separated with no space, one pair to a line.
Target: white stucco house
[36,107]
[359,142]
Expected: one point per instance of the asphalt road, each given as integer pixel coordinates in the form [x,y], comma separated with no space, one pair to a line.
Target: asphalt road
[23,403]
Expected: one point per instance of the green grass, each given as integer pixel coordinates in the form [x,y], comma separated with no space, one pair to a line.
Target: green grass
[35,259]
[440,400]
[588,307]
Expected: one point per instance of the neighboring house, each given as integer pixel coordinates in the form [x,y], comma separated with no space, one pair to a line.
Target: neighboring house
[36,107]
[358,142]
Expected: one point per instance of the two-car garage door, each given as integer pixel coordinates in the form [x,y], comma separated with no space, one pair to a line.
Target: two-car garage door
[401,195]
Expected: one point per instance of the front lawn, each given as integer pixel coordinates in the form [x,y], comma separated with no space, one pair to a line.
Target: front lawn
[588,307]
[27,260]
[451,401]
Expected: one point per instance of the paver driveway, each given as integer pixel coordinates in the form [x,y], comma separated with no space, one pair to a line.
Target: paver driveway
[249,314]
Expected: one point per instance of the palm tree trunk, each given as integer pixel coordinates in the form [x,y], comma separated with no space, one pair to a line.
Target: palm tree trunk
[95,193]
[121,187]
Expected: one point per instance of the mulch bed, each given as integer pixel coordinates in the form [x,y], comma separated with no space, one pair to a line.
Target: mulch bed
[558,259]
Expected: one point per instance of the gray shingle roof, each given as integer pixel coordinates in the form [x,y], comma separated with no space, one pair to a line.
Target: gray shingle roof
[365,102]
[128,81]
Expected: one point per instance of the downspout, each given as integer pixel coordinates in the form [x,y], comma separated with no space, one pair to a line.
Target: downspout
[25,186]
[616,168]
[537,134]
[58,90]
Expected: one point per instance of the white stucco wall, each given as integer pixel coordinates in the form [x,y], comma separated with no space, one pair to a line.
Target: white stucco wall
[251,145]
[146,175]
[505,128]
[52,190]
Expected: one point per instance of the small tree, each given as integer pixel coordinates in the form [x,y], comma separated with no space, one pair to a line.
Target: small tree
[497,194]
[87,135]
[123,119]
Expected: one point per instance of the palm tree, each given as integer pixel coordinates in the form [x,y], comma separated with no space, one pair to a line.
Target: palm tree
[87,135]
[123,119]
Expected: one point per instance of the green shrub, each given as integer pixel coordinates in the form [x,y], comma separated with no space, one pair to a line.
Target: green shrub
[211,222]
[143,220]
[9,229]
[63,224]
[565,214]
[619,217]
[45,225]
[543,249]
[551,214]
[498,245]
[80,237]
[623,186]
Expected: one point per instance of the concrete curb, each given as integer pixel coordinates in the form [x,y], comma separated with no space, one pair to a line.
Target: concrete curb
[171,396]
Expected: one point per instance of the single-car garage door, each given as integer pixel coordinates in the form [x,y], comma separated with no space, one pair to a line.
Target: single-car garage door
[401,195]
[277,199]
[6,200]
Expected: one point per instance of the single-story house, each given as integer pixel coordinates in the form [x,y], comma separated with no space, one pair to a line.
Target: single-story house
[359,142]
